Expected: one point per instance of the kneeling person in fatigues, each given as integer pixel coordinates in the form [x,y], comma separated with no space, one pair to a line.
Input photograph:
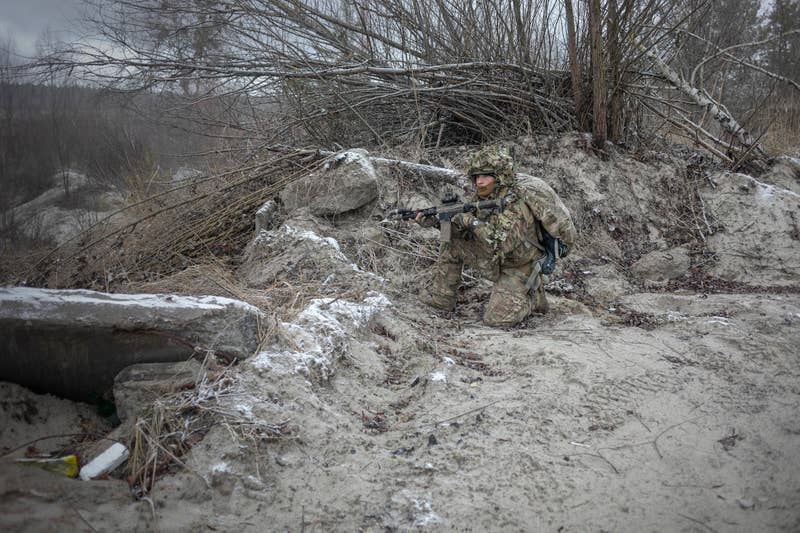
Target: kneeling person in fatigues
[502,245]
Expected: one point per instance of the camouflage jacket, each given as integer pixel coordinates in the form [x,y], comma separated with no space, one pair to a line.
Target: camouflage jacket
[511,238]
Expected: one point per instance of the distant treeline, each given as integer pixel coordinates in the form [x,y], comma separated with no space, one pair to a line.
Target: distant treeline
[111,138]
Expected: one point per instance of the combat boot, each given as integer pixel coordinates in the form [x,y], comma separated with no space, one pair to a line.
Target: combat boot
[445,302]
[441,293]
[539,299]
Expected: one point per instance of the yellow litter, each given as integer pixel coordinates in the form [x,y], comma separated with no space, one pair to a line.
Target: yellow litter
[66,466]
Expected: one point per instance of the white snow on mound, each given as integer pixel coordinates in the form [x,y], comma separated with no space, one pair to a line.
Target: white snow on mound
[305,235]
[318,333]
[313,237]
[221,468]
[42,298]
[357,157]
[439,376]
[767,191]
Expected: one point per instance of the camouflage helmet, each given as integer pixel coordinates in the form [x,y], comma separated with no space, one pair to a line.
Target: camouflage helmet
[492,160]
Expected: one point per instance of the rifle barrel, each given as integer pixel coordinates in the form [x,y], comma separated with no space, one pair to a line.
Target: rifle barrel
[406,213]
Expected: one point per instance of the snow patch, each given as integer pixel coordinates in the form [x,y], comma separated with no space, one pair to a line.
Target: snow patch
[42,298]
[223,468]
[438,377]
[244,410]
[720,320]
[311,236]
[674,316]
[359,158]
[266,208]
[424,515]
[767,191]
[318,333]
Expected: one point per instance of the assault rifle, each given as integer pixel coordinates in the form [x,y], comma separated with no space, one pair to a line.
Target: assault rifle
[451,206]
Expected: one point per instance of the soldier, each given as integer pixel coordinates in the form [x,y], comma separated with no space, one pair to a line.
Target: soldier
[502,246]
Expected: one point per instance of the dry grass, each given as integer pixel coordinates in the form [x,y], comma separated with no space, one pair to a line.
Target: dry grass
[781,120]
[177,421]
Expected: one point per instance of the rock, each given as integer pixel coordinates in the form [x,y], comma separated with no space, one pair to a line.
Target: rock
[267,216]
[347,181]
[93,335]
[136,387]
[662,265]
[606,284]
[296,250]
[745,503]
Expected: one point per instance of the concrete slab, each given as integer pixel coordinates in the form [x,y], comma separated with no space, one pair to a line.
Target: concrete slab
[73,342]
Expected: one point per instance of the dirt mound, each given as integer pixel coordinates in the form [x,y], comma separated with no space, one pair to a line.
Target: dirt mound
[759,231]
[60,213]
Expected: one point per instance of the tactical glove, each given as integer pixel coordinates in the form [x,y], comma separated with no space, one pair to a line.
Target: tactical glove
[463,221]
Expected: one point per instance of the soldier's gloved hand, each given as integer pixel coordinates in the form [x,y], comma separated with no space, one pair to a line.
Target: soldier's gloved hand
[426,222]
[463,221]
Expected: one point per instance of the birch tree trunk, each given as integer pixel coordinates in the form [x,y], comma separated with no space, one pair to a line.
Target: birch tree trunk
[725,119]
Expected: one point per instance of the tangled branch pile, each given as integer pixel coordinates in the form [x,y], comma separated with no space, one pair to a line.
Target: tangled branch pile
[255,73]
[171,230]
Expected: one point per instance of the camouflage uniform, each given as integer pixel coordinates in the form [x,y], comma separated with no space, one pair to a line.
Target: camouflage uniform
[502,246]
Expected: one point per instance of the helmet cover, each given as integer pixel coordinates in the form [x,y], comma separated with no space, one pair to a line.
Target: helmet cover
[492,160]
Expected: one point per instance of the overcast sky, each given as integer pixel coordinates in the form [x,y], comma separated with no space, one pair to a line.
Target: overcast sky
[25,20]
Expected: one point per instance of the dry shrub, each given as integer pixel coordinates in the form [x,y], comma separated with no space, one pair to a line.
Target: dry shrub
[18,259]
[205,221]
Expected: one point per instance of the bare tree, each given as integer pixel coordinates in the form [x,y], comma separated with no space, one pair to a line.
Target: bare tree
[574,64]
[258,73]
[598,75]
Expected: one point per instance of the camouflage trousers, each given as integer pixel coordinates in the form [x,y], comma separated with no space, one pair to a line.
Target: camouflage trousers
[511,300]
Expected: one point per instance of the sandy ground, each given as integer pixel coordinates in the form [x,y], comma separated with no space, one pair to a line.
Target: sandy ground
[571,423]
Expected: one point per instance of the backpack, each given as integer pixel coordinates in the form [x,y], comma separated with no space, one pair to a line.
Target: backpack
[547,207]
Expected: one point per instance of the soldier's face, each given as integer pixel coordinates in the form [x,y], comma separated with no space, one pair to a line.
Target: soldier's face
[485,184]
